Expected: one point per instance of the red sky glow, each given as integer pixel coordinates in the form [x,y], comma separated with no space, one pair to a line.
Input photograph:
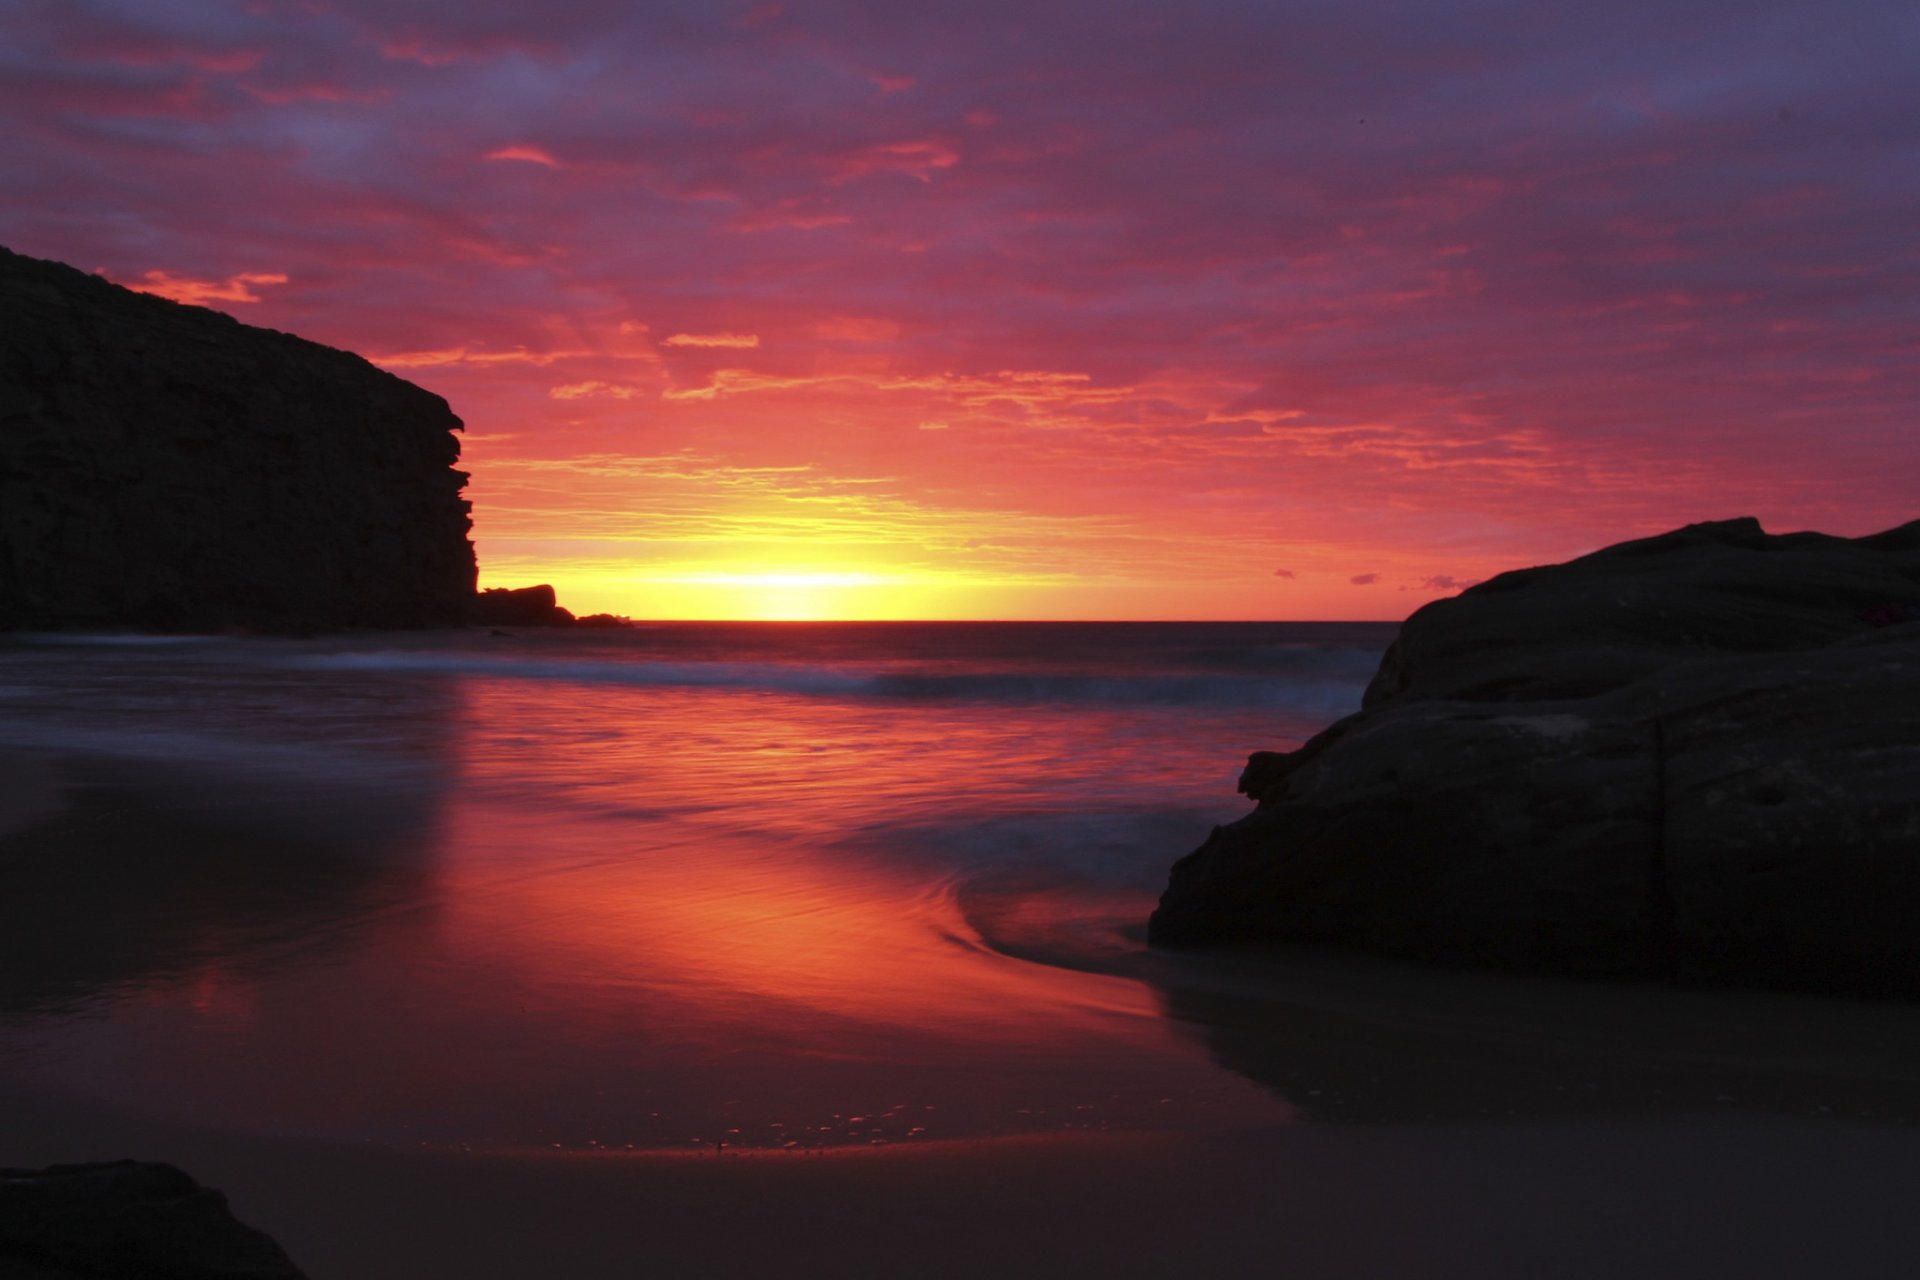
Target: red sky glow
[1225,309]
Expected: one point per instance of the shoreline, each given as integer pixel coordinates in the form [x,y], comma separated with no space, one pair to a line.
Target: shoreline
[1678,1197]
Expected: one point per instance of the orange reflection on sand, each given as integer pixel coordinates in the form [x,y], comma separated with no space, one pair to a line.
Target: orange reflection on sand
[732,945]
[726,923]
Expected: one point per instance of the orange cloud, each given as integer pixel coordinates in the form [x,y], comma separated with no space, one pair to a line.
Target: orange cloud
[585,390]
[462,355]
[521,151]
[739,340]
[235,288]
[1266,417]
[1036,397]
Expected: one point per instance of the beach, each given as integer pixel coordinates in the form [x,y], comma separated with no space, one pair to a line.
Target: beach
[696,950]
[1700,1195]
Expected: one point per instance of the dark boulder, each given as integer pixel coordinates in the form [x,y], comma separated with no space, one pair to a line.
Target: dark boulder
[1695,755]
[124,1219]
[165,467]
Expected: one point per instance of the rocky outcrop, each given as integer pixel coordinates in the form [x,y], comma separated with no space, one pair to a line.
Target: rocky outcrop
[166,467]
[127,1218]
[520,607]
[1693,755]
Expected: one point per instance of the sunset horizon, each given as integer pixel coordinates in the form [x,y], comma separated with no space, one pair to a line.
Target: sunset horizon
[763,311]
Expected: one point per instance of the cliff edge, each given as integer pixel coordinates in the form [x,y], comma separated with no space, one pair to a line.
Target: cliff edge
[166,467]
[1694,755]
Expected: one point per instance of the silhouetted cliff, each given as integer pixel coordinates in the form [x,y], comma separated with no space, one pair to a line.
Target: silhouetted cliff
[165,466]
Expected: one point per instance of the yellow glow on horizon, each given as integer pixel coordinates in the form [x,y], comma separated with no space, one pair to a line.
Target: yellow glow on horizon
[760,595]
[811,596]
[680,593]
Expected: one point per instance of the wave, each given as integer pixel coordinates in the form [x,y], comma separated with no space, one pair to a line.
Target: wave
[692,675]
[1319,682]
[109,639]
[1158,690]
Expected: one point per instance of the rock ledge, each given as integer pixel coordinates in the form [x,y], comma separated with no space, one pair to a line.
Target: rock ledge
[127,1218]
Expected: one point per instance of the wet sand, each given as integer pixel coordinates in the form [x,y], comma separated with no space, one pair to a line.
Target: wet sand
[1681,1197]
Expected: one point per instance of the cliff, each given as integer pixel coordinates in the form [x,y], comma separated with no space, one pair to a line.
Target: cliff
[1692,755]
[167,467]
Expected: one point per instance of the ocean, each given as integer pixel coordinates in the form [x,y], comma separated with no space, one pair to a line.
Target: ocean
[679,886]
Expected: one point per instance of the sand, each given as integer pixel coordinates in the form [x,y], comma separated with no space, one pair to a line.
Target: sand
[1686,1196]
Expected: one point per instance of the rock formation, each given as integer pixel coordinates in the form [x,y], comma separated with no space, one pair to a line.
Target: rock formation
[1694,755]
[520,607]
[166,467]
[123,1219]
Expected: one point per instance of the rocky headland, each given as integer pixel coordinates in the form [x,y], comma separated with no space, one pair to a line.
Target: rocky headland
[165,467]
[1693,756]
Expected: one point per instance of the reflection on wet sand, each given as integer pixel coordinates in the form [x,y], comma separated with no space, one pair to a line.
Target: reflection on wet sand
[740,989]
[1360,1040]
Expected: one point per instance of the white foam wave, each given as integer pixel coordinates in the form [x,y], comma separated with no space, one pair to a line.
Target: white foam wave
[704,675]
[1319,687]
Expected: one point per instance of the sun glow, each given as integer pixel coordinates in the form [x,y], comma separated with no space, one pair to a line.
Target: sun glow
[782,596]
[758,595]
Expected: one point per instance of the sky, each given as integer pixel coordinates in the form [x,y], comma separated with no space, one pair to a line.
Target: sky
[1284,309]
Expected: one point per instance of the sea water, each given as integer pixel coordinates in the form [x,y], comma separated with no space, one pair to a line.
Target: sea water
[680,886]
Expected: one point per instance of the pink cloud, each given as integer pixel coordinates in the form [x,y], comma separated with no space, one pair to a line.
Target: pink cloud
[917,159]
[861,329]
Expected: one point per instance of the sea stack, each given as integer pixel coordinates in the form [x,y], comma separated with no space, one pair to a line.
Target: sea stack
[1694,756]
[165,467]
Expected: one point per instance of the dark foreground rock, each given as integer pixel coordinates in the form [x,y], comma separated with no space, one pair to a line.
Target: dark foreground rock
[165,467]
[123,1220]
[1696,755]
